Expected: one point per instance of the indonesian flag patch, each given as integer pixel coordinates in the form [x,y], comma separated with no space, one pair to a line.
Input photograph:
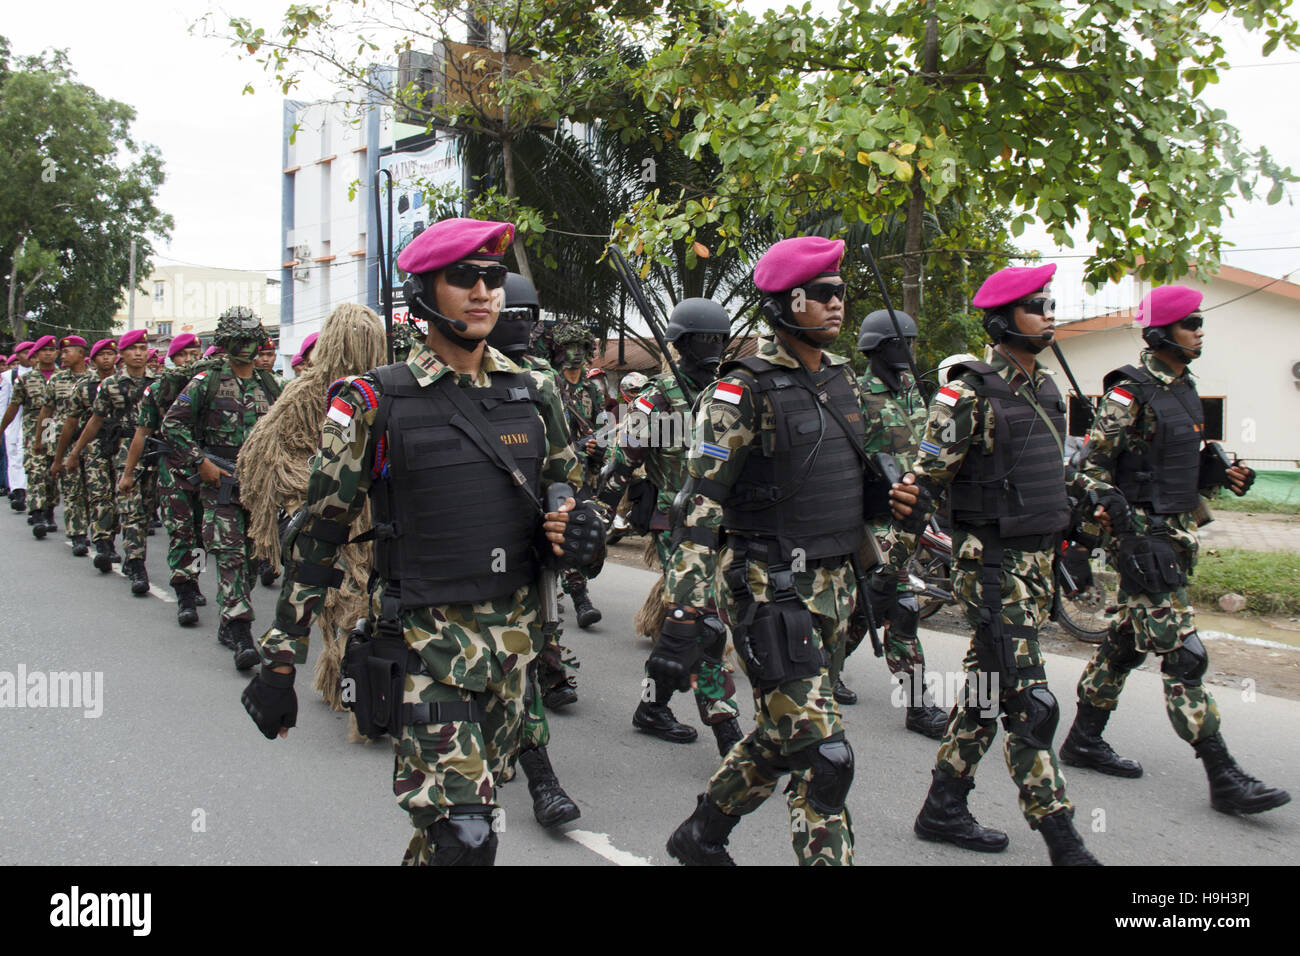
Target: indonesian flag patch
[1121,396]
[340,411]
[728,392]
[947,396]
[645,406]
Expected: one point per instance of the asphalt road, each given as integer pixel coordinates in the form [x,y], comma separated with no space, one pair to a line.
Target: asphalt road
[172,771]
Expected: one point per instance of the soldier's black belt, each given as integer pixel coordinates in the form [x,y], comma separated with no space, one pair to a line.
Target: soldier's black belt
[443,712]
[771,553]
[222,451]
[990,538]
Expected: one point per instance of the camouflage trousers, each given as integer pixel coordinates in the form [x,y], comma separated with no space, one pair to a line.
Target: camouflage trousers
[226,540]
[101,495]
[972,725]
[715,690]
[42,490]
[132,517]
[76,501]
[182,513]
[461,763]
[1150,624]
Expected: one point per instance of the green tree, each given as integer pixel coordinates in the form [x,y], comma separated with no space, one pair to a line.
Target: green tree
[75,188]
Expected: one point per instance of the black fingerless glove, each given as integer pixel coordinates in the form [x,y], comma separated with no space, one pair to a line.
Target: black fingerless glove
[919,519]
[584,537]
[271,701]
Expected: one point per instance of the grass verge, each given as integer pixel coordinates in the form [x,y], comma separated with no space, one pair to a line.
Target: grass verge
[1230,502]
[1268,580]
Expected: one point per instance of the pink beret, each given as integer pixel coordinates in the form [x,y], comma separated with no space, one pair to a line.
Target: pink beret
[452,240]
[1166,305]
[296,360]
[153,354]
[214,350]
[308,344]
[134,337]
[1012,284]
[186,340]
[44,342]
[73,340]
[22,347]
[101,345]
[793,262]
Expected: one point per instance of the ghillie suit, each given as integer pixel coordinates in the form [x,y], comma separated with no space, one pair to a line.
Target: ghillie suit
[274,465]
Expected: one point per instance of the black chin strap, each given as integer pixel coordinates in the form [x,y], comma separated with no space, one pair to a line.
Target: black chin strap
[444,328]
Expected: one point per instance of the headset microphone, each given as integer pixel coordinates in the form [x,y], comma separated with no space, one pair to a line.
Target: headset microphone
[456,324]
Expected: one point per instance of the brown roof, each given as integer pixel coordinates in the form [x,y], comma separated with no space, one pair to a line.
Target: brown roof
[637,359]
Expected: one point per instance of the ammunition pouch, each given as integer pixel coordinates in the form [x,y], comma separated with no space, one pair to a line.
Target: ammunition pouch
[1149,564]
[774,637]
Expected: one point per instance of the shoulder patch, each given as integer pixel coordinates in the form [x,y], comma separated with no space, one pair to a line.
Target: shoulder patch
[727,392]
[947,396]
[1122,396]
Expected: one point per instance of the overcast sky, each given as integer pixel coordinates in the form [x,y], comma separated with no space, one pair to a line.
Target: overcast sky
[222,149]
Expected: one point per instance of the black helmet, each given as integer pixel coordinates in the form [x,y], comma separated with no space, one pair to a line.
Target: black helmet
[521,294]
[877,327]
[697,315]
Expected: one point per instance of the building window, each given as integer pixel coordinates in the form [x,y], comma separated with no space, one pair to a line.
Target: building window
[1213,409]
[1080,413]
[163,328]
[159,291]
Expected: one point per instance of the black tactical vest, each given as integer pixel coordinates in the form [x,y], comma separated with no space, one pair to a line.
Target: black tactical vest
[1021,486]
[808,493]
[462,531]
[1165,479]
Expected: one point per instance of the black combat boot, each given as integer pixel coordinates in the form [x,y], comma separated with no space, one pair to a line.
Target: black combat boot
[922,716]
[1064,844]
[226,634]
[1084,747]
[50,524]
[246,655]
[1232,790]
[463,838]
[551,805]
[34,518]
[112,552]
[842,693]
[102,561]
[199,599]
[80,546]
[559,687]
[187,614]
[946,819]
[267,573]
[658,721]
[39,525]
[727,734]
[18,499]
[137,575]
[582,606]
[702,839]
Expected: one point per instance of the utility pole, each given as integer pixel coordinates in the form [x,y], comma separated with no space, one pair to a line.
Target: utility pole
[130,294]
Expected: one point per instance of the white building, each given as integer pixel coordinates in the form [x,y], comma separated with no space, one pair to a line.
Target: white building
[180,298]
[1248,376]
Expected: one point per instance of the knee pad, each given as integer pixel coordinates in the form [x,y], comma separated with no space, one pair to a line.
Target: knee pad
[904,617]
[1188,664]
[1120,651]
[1033,716]
[831,762]
[463,838]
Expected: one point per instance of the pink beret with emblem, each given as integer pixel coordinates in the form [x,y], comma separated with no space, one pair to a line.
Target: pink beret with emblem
[134,337]
[214,350]
[44,342]
[101,345]
[451,240]
[1166,305]
[72,340]
[186,340]
[1012,284]
[793,262]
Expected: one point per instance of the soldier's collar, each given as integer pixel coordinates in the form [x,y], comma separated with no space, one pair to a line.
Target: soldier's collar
[773,349]
[428,368]
[1161,370]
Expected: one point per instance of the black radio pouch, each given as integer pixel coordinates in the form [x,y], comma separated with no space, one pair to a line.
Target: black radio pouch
[373,674]
[774,637]
[1149,565]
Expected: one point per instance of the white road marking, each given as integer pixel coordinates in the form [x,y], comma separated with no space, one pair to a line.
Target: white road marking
[599,844]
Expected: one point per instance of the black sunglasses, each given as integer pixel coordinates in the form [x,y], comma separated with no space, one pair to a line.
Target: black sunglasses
[823,292]
[1038,306]
[465,275]
[1192,322]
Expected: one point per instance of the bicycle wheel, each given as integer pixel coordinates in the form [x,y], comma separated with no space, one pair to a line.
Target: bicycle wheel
[1084,616]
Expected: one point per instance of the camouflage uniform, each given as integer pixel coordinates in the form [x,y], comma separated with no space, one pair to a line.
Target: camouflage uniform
[796,715]
[193,424]
[178,486]
[117,402]
[655,434]
[894,421]
[76,507]
[1154,623]
[31,393]
[98,470]
[470,652]
[582,403]
[952,429]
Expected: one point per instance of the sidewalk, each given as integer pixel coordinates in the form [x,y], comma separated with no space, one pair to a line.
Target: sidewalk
[1251,532]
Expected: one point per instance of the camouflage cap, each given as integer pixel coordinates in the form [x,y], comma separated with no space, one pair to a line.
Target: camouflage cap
[239,326]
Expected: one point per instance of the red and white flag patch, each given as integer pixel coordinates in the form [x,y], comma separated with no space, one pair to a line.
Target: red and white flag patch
[947,396]
[1121,396]
[340,411]
[728,392]
[645,405]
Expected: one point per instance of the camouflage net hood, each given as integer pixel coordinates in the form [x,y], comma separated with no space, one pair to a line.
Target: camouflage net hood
[573,339]
[238,329]
[404,338]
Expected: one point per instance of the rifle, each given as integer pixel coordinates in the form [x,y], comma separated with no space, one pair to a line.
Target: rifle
[862,609]
[229,483]
[638,298]
[548,579]
[898,329]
